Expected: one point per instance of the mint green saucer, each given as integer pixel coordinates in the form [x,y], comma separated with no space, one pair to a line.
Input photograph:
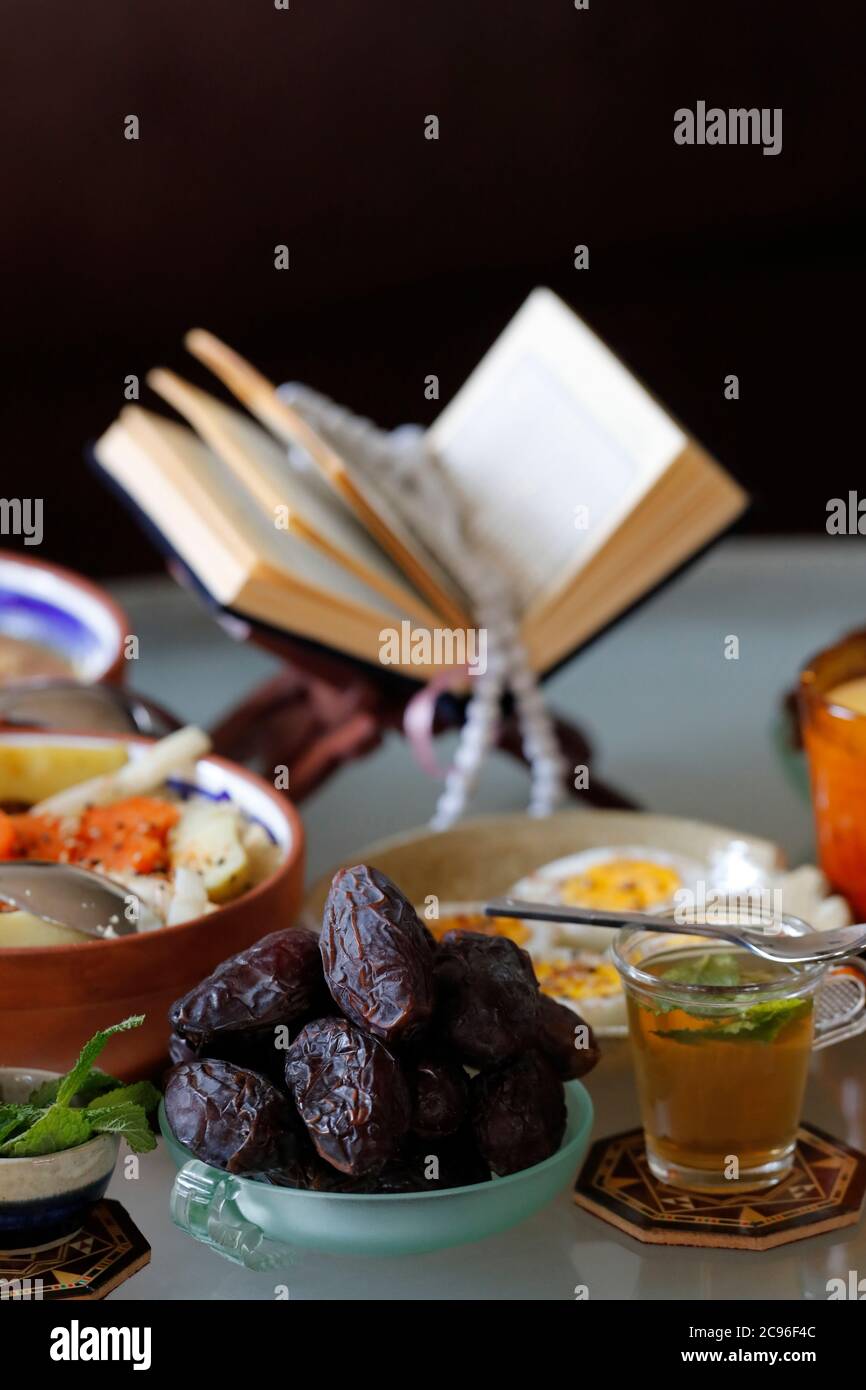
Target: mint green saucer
[258,1226]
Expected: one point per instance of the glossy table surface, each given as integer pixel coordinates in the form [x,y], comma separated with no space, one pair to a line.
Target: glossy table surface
[684,730]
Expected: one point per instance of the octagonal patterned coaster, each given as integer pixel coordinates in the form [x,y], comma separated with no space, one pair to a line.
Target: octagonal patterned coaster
[106,1250]
[824,1192]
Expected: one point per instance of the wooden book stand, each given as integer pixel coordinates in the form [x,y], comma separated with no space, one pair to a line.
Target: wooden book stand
[324,710]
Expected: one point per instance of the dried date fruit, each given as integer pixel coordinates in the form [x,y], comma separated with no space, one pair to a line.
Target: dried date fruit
[432,1165]
[457,1158]
[350,1093]
[412,1172]
[566,1041]
[179,1050]
[440,1096]
[292,1174]
[377,956]
[460,1163]
[277,981]
[421,1167]
[230,1117]
[255,1051]
[487,997]
[403,1175]
[298,1162]
[518,1113]
[323,1177]
[463,1162]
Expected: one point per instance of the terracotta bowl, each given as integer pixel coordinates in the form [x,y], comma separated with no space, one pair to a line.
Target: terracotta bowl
[52,998]
[58,609]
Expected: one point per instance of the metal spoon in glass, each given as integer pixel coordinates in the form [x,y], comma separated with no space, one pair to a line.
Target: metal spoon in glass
[69,896]
[801,945]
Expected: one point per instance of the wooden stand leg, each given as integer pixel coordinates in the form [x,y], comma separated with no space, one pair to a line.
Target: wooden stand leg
[320,713]
[578,756]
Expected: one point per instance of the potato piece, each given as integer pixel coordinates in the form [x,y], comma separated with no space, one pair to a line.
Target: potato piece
[144,775]
[29,772]
[23,929]
[264,856]
[189,899]
[206,839]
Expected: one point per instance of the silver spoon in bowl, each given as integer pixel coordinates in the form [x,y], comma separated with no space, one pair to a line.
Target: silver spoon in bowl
[68,896]
[801,946]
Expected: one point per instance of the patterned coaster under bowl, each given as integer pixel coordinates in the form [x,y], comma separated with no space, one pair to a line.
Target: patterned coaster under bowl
[105,1251]
[824,1192]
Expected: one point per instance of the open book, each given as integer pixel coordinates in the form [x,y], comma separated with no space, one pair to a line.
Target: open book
[579,486]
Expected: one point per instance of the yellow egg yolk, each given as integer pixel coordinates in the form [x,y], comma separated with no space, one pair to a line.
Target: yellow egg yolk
[621,883]
[576,979]
[511,927]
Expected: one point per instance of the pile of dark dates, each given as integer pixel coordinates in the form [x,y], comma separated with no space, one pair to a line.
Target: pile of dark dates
[370,1058]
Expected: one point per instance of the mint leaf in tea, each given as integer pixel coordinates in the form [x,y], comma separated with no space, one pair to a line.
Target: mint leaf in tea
[762,1023]
[718,968]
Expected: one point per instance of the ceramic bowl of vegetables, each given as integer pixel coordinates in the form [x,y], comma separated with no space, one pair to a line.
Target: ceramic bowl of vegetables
[211,855]
[59,1140]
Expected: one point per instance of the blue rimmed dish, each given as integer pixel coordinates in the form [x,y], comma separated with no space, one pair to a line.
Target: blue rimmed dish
[64,613]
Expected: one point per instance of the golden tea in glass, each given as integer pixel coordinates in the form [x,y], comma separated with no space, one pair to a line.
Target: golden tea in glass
[721,1041]
[722,1089]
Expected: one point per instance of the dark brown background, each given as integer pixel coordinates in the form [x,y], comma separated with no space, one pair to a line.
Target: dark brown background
[261,126]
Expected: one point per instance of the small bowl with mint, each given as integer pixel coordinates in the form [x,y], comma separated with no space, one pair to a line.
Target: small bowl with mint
[60,1138]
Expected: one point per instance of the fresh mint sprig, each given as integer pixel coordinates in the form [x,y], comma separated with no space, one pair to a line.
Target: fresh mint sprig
[93,1086]
[124,1118]
[75,1079]
[58,1127]
[14,1117]
[66,1112]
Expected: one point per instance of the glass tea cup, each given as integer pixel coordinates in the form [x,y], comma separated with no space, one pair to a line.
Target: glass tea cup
[721,1040]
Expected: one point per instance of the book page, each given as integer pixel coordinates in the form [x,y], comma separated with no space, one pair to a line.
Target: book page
[227,506]
[691,503]
[315,510]
[552,443]
[368,502]
[219,549]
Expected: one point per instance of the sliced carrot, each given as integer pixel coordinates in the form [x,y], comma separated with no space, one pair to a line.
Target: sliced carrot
[7,837]
[130,836]
[150,811]
[41,837]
